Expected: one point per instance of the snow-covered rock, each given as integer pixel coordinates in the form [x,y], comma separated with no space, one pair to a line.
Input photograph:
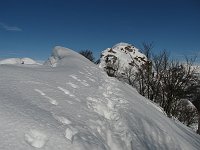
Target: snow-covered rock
[76,106]
[123,54]
[12,61]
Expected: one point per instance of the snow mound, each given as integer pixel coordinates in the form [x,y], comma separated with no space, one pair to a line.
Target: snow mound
[28,61]
[12,61]
[59,56]
[76,106]
[123,54]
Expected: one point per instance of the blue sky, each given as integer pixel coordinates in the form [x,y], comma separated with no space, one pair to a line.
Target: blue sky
[33,27]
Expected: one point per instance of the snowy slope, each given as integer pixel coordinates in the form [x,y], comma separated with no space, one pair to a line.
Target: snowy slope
[75,106]
[27,61]
[123,53]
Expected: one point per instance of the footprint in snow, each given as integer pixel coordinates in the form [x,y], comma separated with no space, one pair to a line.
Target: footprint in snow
[63,120]
[89,73]
[75,77]
[91,79]
[84,82]
[36,138]
[31,82]
[81,72]
[51,100]
[65,91]
[86,70]
[92,99]
[41,93]
[72,85]
[70,132]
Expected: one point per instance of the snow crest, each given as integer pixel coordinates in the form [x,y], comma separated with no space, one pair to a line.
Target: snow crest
[76,106]
[59,56]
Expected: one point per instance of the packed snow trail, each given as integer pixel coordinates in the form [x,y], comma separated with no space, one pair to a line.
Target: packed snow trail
[84,110]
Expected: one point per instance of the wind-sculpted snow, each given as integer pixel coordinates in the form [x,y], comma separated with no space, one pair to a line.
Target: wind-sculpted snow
[60,56]
[75,106]
[14,61]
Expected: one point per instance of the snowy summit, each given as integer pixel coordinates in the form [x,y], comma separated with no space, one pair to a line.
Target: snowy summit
[124,55]
[71,104]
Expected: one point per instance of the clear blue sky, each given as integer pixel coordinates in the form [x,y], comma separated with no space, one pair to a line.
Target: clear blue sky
[33,27]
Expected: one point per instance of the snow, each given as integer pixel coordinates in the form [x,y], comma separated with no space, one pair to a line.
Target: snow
[72,85]
[69,133]
[66,91]
[59,53]
[38,111]
[188,103]
[36,138]
[51,100]
[12,61]
[63,120]
[28,61]
[125,54]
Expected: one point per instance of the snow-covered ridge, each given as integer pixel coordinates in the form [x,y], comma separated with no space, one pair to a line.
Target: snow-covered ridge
[27,61]
[78,107]
[123,53]
[59,54]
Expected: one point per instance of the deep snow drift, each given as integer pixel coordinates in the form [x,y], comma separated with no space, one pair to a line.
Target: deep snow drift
[75,106]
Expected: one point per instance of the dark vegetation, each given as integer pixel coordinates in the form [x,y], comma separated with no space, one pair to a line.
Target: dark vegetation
[172,84]
[88,54]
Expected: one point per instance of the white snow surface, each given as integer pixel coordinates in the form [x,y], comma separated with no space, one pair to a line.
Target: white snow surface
[76,106]
[13,61]
[61,55]
[126,55]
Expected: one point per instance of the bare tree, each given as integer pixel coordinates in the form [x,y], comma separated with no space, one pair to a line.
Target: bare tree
[194,96]
[164,81]
[88,54]
[129,75]
[160,63]
[186,113]
[144,73]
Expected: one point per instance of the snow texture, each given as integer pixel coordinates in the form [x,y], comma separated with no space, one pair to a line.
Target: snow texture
[74,105]
[36,138]
[12,61]
[123,54]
